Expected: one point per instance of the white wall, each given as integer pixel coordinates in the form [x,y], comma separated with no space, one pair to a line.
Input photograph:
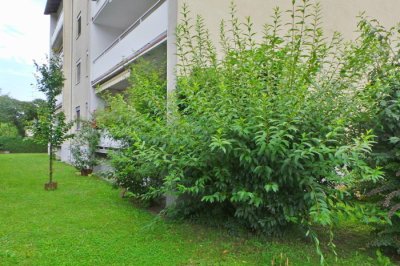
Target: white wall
[102,37]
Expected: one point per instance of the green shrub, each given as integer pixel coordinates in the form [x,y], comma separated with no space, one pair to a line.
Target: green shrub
[84,146]
[21,145]
[269,134]
[137,119]
[383,95]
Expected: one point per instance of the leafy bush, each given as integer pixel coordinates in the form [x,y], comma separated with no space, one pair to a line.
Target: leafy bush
[383,95]
[84,146]
[21,145]
[8,130]
[137,119]
[269,134]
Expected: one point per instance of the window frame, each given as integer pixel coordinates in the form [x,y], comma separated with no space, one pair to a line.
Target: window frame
[78,72]
[78,117]
[78,25]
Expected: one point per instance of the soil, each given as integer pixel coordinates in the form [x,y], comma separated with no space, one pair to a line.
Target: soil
[50,186]
[86,172]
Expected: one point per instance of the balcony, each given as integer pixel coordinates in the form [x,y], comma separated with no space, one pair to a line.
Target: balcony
[119,14]
[146,32]
[57,34]
[59,101]
[106,143]
[97,7]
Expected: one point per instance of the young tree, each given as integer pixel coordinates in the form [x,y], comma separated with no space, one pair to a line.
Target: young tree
[50,127]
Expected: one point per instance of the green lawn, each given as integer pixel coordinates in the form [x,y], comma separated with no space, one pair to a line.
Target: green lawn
[85,222]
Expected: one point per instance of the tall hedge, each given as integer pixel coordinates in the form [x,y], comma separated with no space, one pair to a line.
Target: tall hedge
[21,145]
[269,134]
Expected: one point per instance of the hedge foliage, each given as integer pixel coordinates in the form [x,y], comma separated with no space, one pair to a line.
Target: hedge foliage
[21,145]
[384,94]
[84,145]
[272,133]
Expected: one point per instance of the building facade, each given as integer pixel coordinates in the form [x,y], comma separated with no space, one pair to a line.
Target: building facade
[99,39]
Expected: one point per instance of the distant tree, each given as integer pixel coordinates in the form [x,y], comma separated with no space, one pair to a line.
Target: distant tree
[50,127]
[18,113]
[8,130]
[10,113]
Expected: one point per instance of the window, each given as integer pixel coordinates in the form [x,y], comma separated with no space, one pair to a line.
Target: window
[78,118]
[79,24]
[78,72]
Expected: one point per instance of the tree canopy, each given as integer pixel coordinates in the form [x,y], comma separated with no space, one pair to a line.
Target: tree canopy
[18,113]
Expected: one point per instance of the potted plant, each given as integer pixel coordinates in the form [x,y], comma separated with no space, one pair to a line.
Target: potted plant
[84,146]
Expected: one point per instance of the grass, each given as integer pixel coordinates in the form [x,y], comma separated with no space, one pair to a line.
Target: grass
[85,222]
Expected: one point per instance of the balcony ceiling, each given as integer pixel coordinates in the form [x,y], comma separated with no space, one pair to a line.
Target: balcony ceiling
[120,14]
[52,6]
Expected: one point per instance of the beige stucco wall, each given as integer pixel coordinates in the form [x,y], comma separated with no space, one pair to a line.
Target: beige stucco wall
[67,50]
[74,49]
[337,15]
[67,60]
[81,44]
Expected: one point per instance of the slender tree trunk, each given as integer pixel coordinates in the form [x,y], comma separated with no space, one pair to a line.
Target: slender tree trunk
[51,164]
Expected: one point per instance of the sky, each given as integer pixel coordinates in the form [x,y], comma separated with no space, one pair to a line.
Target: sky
[24,37]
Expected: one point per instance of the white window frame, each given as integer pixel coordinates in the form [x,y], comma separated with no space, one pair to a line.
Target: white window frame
[78,72]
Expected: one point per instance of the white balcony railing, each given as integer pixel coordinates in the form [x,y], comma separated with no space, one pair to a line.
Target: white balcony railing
[98,6]
[106,143]
[57,33]
[59,101]
[148,27]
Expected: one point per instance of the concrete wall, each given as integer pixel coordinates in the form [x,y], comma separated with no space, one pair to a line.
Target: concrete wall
[67,63]
[76,49]
[81,50]
[102,37]
[337,15]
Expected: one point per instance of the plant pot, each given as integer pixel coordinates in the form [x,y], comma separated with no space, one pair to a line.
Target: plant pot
[50,186]
[86,172]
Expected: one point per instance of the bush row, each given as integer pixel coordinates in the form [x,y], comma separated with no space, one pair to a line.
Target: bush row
[274,134]
[21,145]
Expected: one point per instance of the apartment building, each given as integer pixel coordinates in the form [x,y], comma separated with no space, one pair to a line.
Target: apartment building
[99,39]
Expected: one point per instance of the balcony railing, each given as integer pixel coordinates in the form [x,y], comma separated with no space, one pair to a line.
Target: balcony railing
[149,26]
[57,30]
[59,101]
[98,7]
[106,143]
[130,29]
